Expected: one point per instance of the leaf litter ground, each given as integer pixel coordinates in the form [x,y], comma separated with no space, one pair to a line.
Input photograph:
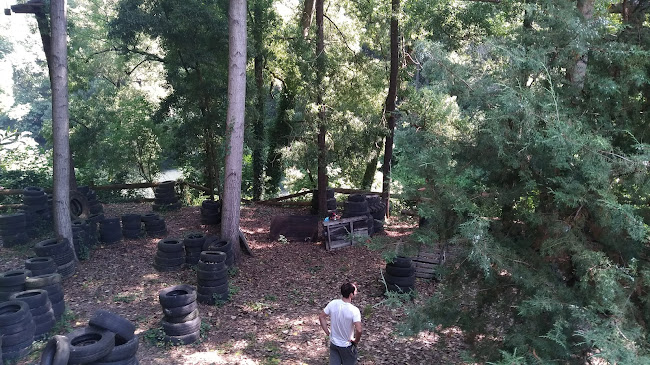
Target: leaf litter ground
[277,294]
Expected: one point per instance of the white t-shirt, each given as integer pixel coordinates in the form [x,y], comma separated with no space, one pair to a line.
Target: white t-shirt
[342,317]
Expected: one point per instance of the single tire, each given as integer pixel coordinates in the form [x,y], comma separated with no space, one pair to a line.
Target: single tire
[39,311]
[149,217]
[34,298]
[16,352]
[13,311]
[58,308]
[183,340]
[33,191]
[56,351]
[181,319]
[177,296]
[400,289]
[222,245]
[180,311]
[27,334]
[39,263]
[210,290]
[194,240]
[169,255]
[401,261]
[68,269]
[12,219]
[14,277]
[357,198]
[90,344]
[213,256]
[50,247]
[112,322]
[401,281]
[180,329]
[162,268]
[79,207]
[211,266]
[36,282]
[211,299]
[163,261]
[64,257]
[212,275]
[211,282]
[400,271]
[124,350]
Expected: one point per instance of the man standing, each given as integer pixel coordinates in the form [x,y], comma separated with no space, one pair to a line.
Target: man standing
[346,327]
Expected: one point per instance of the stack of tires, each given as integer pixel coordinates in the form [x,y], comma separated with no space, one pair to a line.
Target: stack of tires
[154,225]
[132,226]
[17,329]
[378,211]
[80,239]
[62,254]
[170,255]
[13,229]
[331,202]
[211,212]
[12,281]
[181,322]
[212,277]
[400,275]
[37,205]
[110,231]
[108,339]
[92,226]
[357,206]
[193,244]
[215,244]
[165,197]
[40,307]
[94,206]
[51,283]
[40,266]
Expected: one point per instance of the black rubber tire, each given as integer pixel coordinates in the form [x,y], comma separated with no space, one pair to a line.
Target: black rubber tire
[130,361]
[50,247]
[39,311]
[211,299]
[58,308]
[181,329]
[162,268]
[7,220]
[400,289]
[36,282]
[13,311]
[180,311]
[170,245]
[131,219]
[211,205]
[33,191]
[26,334]
[183,340]
[211,282]
[164,261]
[44,324]
[194,240]
[357,198]
[13,353]
[88,344]
[210,266]
[68,269]
[112,322]
[63,258]
[177,296]
[400,271]
[213,256]
[212,275]
[181,319]
[124,350]
[56,351]
[209,290]
[221,245]
[34,298]
[401,261]
[401,281]
[57,294]
[132,233]
[169,255]
[149,217]
[14,277]
[39,263]
[79,207]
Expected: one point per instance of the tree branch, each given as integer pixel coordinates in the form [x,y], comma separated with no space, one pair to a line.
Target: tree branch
[341,33]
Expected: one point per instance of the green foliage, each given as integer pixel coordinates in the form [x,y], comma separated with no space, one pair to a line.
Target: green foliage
[22,163]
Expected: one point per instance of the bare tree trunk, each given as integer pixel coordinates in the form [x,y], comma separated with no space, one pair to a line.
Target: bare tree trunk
[579,71]
[235,124]
[322,147]
[258,123]
[307,14]
[60,121]
[391,101]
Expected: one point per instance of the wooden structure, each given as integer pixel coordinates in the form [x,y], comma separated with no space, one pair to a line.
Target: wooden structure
[427,260]
[340,230]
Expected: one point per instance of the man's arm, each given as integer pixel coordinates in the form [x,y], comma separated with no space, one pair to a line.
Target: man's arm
[358,330]
[322,318]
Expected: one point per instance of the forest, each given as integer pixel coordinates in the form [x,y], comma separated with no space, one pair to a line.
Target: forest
[514,130]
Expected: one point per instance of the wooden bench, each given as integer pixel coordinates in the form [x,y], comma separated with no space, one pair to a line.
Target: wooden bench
[338,232]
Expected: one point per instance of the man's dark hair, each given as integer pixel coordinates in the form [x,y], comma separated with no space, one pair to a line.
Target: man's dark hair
[347,289]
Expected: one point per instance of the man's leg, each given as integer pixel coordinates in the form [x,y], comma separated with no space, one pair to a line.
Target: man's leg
[335,356]
[348,355]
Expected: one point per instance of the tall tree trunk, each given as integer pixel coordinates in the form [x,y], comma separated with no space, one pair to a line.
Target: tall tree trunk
[307,14]
[371,168]
[578,73]
[235,123]
[322,147]
[258,123]
[60,121]
[391,100]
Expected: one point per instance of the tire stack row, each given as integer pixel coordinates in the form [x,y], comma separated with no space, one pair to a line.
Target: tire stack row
[181,322]
[51,283]
[40,307]
[331,202]
[165,197]
[16,328]
[38,206]
[213,243]
[108,339]
[61,252]
[193,244]
[12,281]
[211,212]
[212,277]
[13,229]
[110,231]
[94,206]
[357,206]
[378,211]
[154,225]
[132,226]
[400,275]
[170,255]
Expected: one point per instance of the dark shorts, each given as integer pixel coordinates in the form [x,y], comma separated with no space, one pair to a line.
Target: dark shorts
[343,355]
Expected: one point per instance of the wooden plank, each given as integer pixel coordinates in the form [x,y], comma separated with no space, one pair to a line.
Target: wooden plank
[423,275]
[427,260]
[424,265]
[344,221]
[339,244]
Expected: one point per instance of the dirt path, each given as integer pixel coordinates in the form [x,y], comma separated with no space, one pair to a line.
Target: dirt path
[272,315]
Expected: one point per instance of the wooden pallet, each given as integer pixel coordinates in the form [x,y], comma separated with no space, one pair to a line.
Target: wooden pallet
[338,232]
[427,261]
